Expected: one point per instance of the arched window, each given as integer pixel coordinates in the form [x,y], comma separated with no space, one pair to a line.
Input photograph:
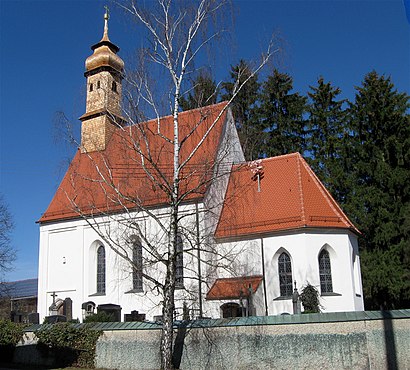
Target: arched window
[98,84]
[101,270]
[325,272]
[91,87]
[114,86]
[137,265]
[179,263]
[285,275]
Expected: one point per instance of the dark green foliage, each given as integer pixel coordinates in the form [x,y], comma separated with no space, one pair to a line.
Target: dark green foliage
[203,92]
[310,299]
[69,346]
[10,332]
[327,137]
[100,317]
[379,203]
[281,114]
[243,108]
[10,335]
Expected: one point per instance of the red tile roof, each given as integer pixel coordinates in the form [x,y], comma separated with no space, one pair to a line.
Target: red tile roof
[234,288]
[91,181]
[291,197]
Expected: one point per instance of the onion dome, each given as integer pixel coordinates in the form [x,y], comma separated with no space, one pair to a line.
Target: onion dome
[105,52]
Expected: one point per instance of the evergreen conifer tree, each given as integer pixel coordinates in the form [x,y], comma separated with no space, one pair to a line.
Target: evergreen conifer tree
[243,108]
[326,137]
[204,91]
[380,199]
[282,115]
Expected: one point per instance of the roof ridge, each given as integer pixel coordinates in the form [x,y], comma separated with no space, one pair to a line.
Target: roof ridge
[183,112]
[329,199]
[240,277]
[302,200]
[269,159]
[18,281]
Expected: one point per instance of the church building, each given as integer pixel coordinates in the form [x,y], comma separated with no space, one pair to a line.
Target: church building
[251,235]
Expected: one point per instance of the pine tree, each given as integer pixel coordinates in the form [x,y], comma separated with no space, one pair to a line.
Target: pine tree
[326,137]
[243,109]
[282,115]
[380,199]
[204,91]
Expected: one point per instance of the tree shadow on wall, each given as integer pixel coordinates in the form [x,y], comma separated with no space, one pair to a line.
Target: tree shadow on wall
[179,344]
[390,344]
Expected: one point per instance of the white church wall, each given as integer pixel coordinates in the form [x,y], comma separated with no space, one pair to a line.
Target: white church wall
[76,243]
[68,265]
[60,268]
[303,249]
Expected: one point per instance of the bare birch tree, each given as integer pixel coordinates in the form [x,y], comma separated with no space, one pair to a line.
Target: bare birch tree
[165,156]
[7,252]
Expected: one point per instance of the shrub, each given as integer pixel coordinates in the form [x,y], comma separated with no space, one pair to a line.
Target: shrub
[10,332]
[10,335]
[100,317]
[69,345]
[310,299]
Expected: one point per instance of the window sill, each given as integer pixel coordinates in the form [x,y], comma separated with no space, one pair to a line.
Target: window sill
[96,294]
[179,287]
[330,294]
[282,298]
[134,291]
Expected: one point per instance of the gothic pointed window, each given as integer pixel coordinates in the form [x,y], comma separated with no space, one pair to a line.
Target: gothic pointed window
[137,265]
[101,270]
[285,275]
[325,272]
[179,263]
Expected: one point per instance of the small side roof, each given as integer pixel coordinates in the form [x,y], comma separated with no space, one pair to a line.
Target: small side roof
[19,289]
[290,197]
[234,288]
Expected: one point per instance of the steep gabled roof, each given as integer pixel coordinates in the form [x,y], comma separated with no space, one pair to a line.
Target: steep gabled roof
[234,288]
[291,197]
[121,177]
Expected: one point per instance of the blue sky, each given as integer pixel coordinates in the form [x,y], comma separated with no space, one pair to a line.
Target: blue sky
[44,45]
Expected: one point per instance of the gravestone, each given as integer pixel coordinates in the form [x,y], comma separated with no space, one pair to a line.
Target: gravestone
[134,316]
[68,309]
[52,319]
[110,309]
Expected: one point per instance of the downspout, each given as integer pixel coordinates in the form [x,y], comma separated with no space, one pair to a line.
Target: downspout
[198,245]
[263,278]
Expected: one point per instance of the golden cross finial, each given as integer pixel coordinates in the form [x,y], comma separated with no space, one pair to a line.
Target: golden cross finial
[106,17]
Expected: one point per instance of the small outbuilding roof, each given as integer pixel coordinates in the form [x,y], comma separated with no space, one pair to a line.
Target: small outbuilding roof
[234,288]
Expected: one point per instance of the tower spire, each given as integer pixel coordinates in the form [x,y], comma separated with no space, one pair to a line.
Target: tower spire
[104,73]
[106,18]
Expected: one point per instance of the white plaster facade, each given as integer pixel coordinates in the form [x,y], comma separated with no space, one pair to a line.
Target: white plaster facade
[304,248]
[68,267]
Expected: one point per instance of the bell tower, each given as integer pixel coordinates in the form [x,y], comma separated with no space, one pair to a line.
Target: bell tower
[104,73]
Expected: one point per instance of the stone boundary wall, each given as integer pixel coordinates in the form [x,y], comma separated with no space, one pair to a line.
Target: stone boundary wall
[342,341]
